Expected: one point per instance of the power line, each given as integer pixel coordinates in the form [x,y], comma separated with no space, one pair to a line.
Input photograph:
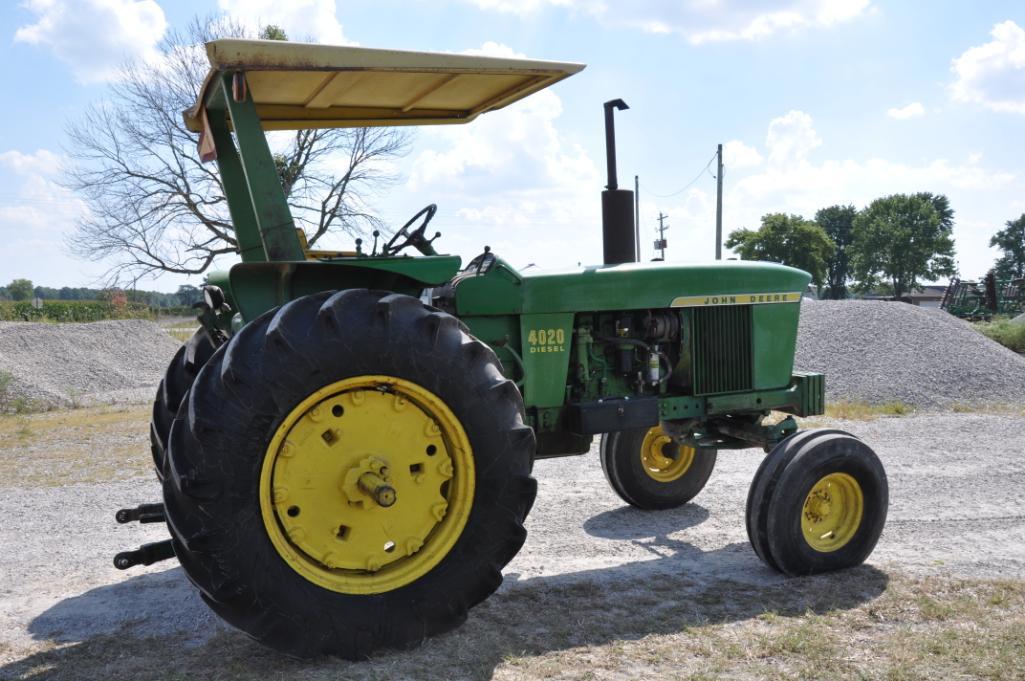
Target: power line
[691,183]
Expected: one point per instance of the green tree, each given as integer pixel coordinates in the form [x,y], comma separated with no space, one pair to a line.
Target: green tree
[787,239]
[20,289]
[1010,240]
[942,205]
[272,32]
[901,239]
[838,223]
[188,294]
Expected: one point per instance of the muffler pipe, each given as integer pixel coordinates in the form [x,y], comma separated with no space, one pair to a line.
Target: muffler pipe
[617,205]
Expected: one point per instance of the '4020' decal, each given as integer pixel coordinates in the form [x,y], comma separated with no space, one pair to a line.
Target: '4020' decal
[546,340]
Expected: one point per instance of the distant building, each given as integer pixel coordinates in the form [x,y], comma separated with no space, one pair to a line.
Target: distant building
[928,296]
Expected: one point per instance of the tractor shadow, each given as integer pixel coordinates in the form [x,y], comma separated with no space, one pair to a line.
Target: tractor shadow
[155,626]
[152,604]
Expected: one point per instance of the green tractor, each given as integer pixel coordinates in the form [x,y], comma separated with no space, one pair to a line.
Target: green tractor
[345,446]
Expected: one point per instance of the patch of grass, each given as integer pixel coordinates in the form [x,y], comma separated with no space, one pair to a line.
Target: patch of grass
[987,408]
[24,432]
[10,403]
[26,405]
[805,637]
[1008,333]
[6,379]
[859,411]
[94,444]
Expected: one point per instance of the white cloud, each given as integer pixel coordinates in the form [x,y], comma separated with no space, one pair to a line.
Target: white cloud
[44,162]
[791,138]
[35,210]
[513,176]
[94,37]
[521,6]
[38,202]
[905,112]
[795,182]
[993,74]
[493,49]
[794,179]
[738,155]
[701,21]
[301,19]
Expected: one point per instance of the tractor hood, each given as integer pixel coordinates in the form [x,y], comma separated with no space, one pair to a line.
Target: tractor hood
[300,85]
[657,285]
[500,289]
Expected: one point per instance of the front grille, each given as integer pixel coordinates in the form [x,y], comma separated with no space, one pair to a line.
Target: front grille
[722,349]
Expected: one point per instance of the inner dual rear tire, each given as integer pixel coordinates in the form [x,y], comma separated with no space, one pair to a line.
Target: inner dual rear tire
[177,381]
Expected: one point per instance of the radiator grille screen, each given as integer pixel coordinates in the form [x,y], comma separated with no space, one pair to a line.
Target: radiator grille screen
[722,349]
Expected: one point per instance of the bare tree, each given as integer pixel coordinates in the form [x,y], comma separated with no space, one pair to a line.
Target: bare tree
[154,207]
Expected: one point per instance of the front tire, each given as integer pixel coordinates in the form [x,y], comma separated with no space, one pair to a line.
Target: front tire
[650,471]
[817,503]
[350,472]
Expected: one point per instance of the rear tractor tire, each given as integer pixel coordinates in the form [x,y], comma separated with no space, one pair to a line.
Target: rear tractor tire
[349,472]
[178,378]
[817,503]
[650,471]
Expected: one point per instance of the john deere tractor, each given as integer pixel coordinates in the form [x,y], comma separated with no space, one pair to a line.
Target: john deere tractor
[345,446]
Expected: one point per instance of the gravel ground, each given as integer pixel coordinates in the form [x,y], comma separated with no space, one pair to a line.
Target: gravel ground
[957,488]
[879,352]
[74,364]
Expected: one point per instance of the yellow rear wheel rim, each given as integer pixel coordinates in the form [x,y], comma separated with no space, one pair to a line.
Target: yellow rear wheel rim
[832,512]
[662,459]
[367,484]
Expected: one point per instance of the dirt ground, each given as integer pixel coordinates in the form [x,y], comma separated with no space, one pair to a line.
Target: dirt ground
[600,590]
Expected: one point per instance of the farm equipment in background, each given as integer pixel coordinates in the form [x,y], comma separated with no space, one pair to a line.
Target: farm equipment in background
[345,447]
[979,301]
[1010,296]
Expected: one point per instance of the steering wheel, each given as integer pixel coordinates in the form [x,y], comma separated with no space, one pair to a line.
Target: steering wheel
[415,237]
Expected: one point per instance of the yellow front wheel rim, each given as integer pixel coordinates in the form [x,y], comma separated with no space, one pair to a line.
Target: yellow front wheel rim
[832,512]
[367,484]
[662,459]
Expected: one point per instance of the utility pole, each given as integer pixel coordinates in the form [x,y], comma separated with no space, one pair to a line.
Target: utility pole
[660,243]
[718,205]
[637,219]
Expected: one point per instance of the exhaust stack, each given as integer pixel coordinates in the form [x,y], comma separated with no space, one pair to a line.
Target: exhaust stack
[617,205]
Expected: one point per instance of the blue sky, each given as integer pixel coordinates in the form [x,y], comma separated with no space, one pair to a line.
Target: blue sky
[817,101]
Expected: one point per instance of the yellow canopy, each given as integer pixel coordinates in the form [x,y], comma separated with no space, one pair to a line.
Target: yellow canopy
[300,85]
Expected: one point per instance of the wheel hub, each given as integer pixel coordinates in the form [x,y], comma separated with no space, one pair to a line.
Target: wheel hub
[663,460]
[832,512]
[370,482]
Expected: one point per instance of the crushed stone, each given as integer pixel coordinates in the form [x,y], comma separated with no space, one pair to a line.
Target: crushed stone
[881,352]
[59,365]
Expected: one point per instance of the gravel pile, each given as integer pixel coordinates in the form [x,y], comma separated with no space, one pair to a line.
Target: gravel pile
[74,364]
[879,352]
[874,352]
